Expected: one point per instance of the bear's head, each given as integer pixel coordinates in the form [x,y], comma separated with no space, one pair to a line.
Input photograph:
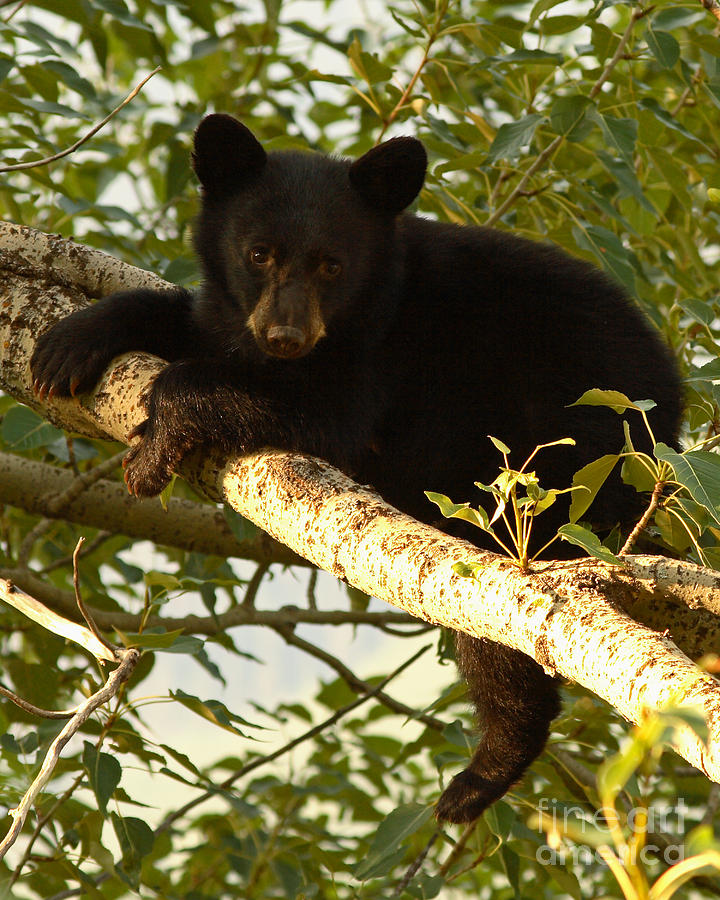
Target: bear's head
[295,244]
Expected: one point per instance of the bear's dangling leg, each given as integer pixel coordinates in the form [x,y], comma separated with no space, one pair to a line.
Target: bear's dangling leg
[515,702]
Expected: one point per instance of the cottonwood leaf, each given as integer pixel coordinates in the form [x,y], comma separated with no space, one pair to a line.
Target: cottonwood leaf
[698,471]
[592,477]
[583,537]
[104,773]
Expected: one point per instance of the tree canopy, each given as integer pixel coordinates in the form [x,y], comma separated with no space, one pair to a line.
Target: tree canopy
[590,124]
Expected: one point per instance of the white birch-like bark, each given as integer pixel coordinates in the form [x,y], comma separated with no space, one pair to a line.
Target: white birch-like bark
[560,615]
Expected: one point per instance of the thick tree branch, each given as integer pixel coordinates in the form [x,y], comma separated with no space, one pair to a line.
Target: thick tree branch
[37,487]
[559,617]
[63,602]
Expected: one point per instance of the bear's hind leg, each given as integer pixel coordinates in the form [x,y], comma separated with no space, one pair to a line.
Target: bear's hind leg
[515,702]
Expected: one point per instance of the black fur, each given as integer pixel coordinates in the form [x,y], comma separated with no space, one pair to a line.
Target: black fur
[391,346]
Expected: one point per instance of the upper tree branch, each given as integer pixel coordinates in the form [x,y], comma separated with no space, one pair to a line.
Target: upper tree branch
[560,619]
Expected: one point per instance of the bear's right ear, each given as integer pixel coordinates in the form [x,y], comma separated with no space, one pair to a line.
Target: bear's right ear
[389,176]
[226,154]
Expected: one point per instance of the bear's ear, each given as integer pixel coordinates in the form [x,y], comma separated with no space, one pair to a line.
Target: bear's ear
[389,176]
[226,154]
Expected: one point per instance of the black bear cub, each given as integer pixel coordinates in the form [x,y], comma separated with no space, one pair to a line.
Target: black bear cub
[334,323]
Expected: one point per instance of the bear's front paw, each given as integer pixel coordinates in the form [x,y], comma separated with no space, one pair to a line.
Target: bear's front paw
[149,464]
[467,796]
[69,359]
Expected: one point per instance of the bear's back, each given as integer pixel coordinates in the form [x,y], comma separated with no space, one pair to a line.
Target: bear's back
[498,335]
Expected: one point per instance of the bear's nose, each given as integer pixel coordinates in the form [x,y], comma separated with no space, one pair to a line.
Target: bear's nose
[286,341]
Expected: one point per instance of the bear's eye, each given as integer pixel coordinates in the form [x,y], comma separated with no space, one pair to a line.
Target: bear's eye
[259,256]
[330,268]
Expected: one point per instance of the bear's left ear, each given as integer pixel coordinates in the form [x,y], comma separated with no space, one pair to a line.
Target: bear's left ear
[389,176]
[225,154]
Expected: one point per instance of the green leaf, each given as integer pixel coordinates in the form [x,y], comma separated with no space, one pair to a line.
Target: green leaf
[614,399]
[698,471]
[104,772]
[700,310]
[212,710]
[663,47]
[590,543]
[72,78]
[503,448]
[532,57]
[6,66]
[545,499]
[23,429]
[136,840]
[609,251]
[367,65]
[620,134]
[390,838]
[653,105]
[119,11]
[468,570]
[451,510]
[641,471]
[706,373]
[170,641]
[512,136]
[540,7]
[592,477]
[567,116]
[242,528]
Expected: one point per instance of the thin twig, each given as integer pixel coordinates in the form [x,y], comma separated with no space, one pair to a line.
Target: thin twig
[41,823]
[36,710]
[63,602]
[116,679]
[416,863]
[620,51]
[306,736]
[81,603]
[647,515]
[87,549]
[357,684]
[82,482]
[458,849]
[93,131]
[254,585]
[16,10]
[312,584]
[432,37]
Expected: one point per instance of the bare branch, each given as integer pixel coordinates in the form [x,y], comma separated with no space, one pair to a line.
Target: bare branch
[646,516]
[36,710]
[81,603]
[84,711]
[93,501]
[31,607]
[357,684]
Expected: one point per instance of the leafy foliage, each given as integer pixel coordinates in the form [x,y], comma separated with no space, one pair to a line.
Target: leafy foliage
[591,124]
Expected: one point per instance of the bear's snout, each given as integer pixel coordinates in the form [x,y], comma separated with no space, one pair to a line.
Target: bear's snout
[286,341]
